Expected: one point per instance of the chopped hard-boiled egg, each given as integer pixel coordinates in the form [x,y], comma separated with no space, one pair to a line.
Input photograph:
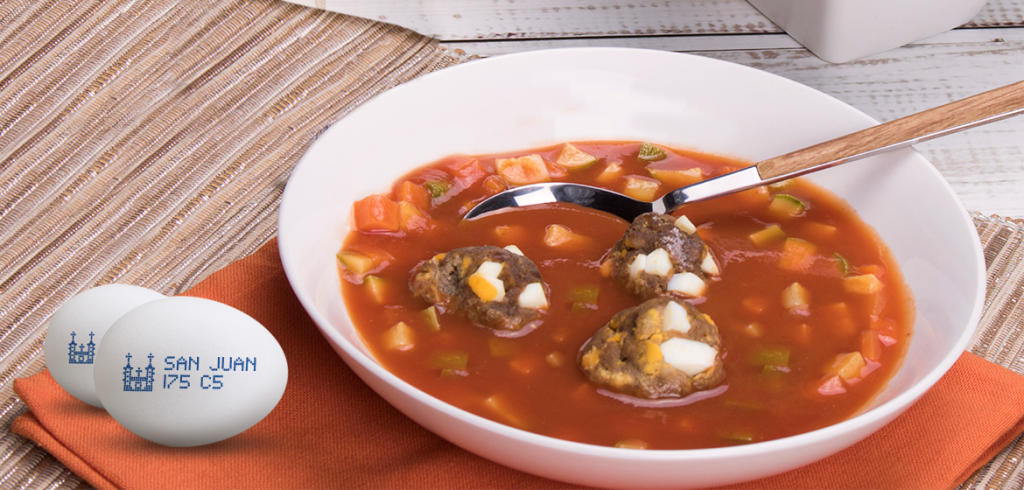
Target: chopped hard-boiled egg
[533,296]
[708,265]
[675,318]
[658,263]
[687,284]
[685,225]
[485,283]
[688,356]
[514,249]
[638,265]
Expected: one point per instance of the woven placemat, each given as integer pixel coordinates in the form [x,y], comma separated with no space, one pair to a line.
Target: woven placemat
[148,142]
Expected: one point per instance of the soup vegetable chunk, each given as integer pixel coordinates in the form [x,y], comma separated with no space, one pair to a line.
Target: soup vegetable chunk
[543,318]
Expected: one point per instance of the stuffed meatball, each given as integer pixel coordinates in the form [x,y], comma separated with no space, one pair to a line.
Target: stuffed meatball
[494,287]
[663,348]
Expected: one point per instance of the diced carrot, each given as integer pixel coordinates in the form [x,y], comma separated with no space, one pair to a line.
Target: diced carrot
[611,172]
[498,405]
[523,364]
[555,359]
[511,234]
[818,231]
[870,345]
[469,172]
[862,284]
[529,169]
[606,268]
[376,213]
[500,347]
[847,365]
[377,288]
[756,304]
[413,193]
[797,254]
[882,324]
[838,319]
[753,330]
[803,333]
[641,188]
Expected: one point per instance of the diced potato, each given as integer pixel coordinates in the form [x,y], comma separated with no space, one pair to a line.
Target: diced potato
[560,236]
[675,318]
[641,188]
[412,218]
[819,231]
[862,284]
[676,178]
[650,153]
[870,345]
[398,337]
[847,366]
[688,356]
[611,172]
[685,225]
[786,205]
[377,288]
[795,296]
[632,444]
[658,263]
[431,318]
[797,254]
[533,296]
[688,284]
[768,235]
[574,158]
[499,406]
[529,169]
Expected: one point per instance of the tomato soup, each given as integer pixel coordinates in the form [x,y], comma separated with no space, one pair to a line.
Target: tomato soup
[813,315]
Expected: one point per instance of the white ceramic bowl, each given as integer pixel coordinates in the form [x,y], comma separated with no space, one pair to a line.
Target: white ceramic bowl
[540,98]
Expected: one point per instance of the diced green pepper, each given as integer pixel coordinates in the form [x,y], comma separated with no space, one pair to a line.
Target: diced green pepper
[650,153]
[786,204]
[844,266]
[778,357]
[437,188]
[449,360]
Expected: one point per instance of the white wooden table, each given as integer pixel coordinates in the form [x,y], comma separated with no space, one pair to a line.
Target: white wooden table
[984,165]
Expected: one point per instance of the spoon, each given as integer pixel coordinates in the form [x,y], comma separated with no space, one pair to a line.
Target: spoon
[950,118]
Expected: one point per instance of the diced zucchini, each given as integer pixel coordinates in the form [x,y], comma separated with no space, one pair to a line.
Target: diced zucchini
[676,178]
[650,153]
[585,293]
[355,262]
[781,185]
[437,188]
[574,158]
[398,337]
[768,235]
[847,366]
[376,287]
[795,296]
[786,205]
[611,172]
[449,360]
[431,318]
[842,264]
[771,356]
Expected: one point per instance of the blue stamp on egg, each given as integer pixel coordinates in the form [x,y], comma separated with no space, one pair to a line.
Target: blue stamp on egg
[136,381]
[81,353]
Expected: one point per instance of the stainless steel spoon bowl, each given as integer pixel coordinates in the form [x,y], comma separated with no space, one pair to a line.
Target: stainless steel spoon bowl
[956,116]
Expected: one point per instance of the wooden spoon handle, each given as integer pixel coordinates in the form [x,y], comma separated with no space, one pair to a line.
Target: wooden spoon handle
[945,119]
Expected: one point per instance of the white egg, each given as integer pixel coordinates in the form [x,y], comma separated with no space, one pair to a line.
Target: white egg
[77,328]
[189,371]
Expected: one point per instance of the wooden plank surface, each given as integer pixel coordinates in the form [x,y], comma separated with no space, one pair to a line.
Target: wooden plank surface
[451,20]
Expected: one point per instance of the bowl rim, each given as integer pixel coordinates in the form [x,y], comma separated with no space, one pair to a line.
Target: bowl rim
[881,413]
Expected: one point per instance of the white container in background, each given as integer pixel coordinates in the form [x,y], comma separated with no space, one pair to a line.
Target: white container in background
[843,30]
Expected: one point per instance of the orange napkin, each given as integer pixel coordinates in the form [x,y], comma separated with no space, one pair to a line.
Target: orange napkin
[331,431]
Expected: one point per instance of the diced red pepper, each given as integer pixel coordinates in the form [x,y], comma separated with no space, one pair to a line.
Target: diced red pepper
[469,172]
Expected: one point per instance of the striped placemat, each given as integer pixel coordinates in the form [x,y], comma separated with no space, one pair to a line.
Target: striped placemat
[148,142]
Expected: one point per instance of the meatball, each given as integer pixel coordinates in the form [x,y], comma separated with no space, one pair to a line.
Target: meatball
[663,348]
[491,286]
[656,257]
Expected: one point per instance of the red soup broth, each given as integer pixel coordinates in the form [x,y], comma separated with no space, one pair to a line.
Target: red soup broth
[789,369]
